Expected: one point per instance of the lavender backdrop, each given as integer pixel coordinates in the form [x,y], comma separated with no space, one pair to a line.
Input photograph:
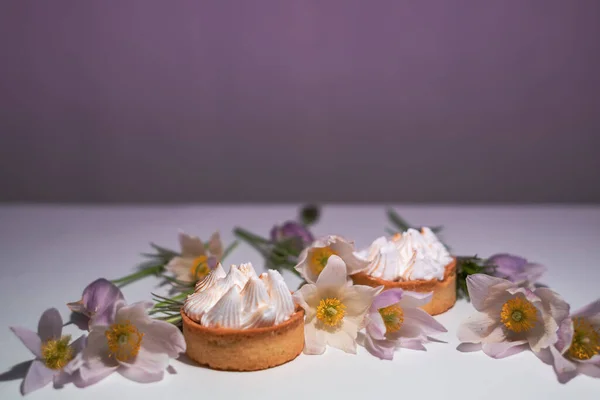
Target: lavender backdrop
[438,101]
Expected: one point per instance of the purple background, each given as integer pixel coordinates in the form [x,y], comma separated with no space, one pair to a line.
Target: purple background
[434,101]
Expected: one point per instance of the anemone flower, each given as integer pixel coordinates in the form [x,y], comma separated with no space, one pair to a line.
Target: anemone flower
[335,309]
[515,269]
[54,355]
[511,318]
[196,260]
[98,301]
[577,350]
[135,345]
[313,259]
[295,232]
[394,320]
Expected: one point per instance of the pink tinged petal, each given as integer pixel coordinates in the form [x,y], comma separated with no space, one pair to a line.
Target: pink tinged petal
[136,312]
[386,299]
[504,349]
[533,272]
[191,246]
[90,374]
[344,338]
[345,250]
[382,349]
[375,326]
[564,368]
[37,377]
[162,337]
[480,288]
[139,375]
[96,349]
[148,362]
[315,341]
[469,347]
[415,299]
[99,296]
[545,335]
[30,339]
[545,355]
[358,299]
[307,297]
[425,322]
[594,360]
[565,335]
[215,246]
[588,311]
[50,325]
[589,370]
[62,378]
[406,331]
[413,344]
[553,304]
[476,328]
[333,275]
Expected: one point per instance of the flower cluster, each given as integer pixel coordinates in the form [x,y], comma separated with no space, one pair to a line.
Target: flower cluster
[121,338]
[336,310]
[514,316]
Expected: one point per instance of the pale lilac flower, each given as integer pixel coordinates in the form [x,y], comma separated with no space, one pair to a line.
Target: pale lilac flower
[196,260]
[577,350]
[335,309]
[511,318]
[515,269]
[297,233]
[135,345]
[394,320]
[313,259]
[98,301]
[54,355]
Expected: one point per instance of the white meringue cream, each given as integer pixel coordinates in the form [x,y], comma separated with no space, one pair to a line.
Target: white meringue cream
[412,255]
[240,299]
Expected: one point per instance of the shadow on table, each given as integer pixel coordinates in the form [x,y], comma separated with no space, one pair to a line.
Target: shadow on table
[16,372]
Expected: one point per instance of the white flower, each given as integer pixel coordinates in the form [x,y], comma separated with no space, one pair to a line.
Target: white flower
[313,259]
[196,260]
[335,309]
[135,345]
[511,318]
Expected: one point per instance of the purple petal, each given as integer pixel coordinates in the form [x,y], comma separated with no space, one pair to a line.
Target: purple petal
[479,286]
[30,339]
[412,343]
[469,347]
[590,310]
[375,326]
[382,349]
[50,325]
[423,321]
[37,377]
[89,375]
[386,299]
[504,349]
[139,375]
[589,370]
[62,378]
[100,296]
[565,370]
[162,337]
[415,299]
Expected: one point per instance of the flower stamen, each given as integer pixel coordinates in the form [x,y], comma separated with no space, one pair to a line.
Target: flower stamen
[124,341]
[586,340]
[518,315]
[199,268]
[331,312]
[393,317]
[56,354]
[318,258]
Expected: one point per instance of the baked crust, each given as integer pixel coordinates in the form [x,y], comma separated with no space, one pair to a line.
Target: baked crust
[444,291]
[244,349]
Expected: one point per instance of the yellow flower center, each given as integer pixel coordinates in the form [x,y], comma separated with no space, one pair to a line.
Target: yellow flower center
[199,268]
[331,311]
[318,258]
[124,341]
[586,340]
[393,318]
[518,314]
[57,353]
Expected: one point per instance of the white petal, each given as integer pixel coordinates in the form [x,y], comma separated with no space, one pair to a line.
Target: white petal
[425,322]
[307,297]
[134,313]
[358,299]
[333,275]
[180,267]
[302,267]
[215,246]
[147,366]
[345,250]
[314,339]
[553,304]
[191,246]
[476,328]
[481,288]
[162,337]
[344,338]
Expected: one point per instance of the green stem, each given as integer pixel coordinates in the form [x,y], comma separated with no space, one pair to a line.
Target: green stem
[249,236]
[138,275]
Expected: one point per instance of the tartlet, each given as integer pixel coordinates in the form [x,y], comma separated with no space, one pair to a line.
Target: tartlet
[444,291]
[244,349]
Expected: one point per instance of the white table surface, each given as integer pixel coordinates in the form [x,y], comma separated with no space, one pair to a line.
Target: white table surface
[48,254]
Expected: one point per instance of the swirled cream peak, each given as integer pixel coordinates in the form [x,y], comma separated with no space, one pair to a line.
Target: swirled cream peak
[411,255]
[240,299]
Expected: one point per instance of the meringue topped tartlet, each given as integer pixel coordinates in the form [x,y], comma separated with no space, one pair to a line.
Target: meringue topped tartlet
[240,321]
[415,261]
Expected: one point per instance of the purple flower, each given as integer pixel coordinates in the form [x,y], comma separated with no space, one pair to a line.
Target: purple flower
[394,320]
[298,234]
[577,350]
[510,318]
[55,358]
[98,301]
[515,269]
[132,343]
